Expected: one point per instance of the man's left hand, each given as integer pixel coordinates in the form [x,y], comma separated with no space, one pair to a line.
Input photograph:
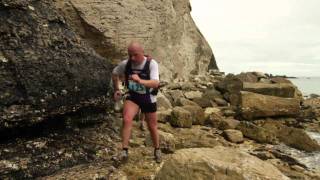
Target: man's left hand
[135,78]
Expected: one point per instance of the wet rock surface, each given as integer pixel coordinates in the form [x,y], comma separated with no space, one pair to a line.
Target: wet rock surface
[41,152]
[45,68]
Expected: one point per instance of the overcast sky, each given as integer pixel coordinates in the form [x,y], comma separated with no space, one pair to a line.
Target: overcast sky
[272,36]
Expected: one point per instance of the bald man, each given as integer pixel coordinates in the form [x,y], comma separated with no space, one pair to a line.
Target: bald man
[141,79]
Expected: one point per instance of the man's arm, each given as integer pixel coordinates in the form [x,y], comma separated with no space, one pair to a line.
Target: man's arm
[116,73]
[148,83]
[115,81]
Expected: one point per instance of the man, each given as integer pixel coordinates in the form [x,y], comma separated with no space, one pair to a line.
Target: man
[142,79]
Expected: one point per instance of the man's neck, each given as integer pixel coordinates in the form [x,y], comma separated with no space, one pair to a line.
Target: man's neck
[141,62]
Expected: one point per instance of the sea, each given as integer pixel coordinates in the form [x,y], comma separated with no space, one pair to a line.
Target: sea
[307,85]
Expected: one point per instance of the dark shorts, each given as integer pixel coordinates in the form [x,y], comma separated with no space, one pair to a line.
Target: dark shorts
[145,107]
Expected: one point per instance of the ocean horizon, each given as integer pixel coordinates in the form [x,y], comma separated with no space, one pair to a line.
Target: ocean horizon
[307,85]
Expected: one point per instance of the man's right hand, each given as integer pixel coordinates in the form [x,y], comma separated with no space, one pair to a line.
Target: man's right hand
[117,95]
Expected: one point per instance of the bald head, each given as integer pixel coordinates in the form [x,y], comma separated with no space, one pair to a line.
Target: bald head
[136,52]
[135,46]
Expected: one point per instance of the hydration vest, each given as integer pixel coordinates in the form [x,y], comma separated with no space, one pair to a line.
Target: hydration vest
[144,74]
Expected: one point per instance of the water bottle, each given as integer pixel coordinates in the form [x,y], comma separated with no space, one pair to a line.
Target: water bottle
[118,104]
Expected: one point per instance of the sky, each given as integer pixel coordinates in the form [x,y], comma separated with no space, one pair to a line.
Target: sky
[281,37]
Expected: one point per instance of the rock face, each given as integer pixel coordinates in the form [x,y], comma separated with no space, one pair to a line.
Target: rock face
[256,105]
[44,67]
[217,163]
[165,28]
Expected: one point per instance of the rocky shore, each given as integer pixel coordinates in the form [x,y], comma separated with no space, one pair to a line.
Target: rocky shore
[206,124]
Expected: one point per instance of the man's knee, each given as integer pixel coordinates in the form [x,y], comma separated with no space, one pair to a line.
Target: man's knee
[127,119]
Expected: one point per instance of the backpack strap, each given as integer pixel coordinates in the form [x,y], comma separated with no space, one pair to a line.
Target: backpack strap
[127,72]
[146,70]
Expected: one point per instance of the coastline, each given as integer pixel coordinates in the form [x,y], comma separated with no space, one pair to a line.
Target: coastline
[307,85]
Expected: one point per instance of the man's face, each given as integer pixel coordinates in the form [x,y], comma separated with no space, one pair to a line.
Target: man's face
[136,55]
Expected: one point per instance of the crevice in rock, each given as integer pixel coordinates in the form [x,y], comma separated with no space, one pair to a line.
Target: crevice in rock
[82,118]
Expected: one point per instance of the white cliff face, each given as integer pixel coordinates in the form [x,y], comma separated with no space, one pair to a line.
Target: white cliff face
[165,28]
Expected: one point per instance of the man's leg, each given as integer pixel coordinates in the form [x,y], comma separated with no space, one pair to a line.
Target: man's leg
[130,109]
[151,119]
[142,120]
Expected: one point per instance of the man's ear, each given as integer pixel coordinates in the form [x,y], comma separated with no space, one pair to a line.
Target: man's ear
[149,58]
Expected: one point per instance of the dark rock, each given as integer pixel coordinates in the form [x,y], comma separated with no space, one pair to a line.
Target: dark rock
[230,84]
[314,95]
[220,102]
[45,68]
[280,80]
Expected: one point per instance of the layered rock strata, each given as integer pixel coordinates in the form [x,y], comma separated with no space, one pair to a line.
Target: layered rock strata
[165,28]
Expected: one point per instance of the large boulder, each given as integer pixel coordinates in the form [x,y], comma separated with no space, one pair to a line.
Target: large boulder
[164,116]
[293,137]
[193,94]
[286,90]
[165,28]
[181,118]
[197,114]
[174,96]
[228,123]
[231,84]
[233,135]
[162,102]
[213,117]
[252,77]
[257,133]
[253,105]
[45,69]
[314,104]
[217,163]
